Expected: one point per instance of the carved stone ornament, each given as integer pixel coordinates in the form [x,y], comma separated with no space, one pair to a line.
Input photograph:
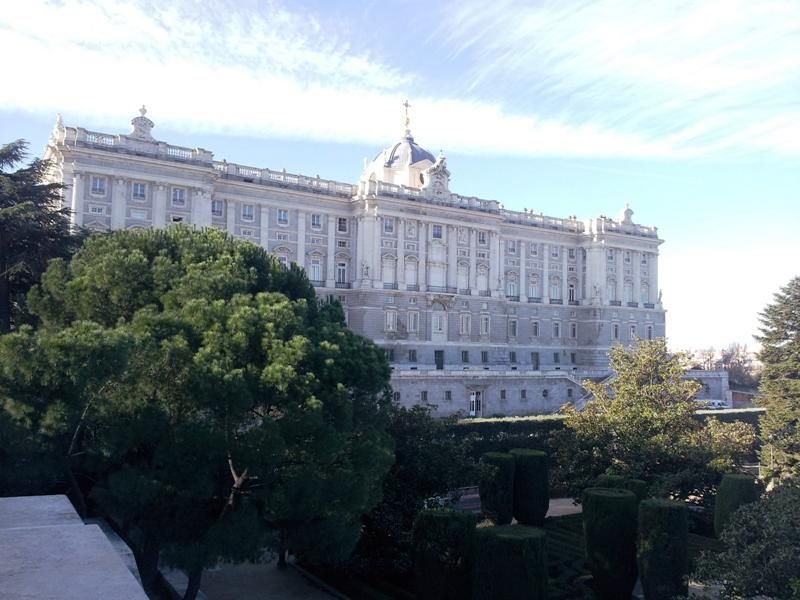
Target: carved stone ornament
[142,126]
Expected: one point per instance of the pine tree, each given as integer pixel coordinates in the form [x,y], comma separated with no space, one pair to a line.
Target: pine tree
[33,228]
[780,383]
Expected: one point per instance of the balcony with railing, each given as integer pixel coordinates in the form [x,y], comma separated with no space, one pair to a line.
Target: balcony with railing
[556,301]
[513,298]
[649,305]
[389,286]
[412,287]
[615,303]
[534,300]
[343,285]
[441,289]
[632,305]
[484,293]
[574,303]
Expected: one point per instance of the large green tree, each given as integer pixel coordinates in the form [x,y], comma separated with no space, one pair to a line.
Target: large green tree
[642,425]
[33,228]
[199,393]
[780,383]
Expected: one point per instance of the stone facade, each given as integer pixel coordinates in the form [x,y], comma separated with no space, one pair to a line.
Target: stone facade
[465,296]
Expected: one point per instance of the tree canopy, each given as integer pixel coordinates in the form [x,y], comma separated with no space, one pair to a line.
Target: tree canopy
[780,383]
[33,228]
[201,395]
[642,426]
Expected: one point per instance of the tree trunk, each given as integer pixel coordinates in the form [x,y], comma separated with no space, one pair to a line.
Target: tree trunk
[147,561]
[193,585]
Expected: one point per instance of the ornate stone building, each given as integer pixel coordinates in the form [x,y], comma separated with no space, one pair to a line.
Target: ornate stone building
[480,309]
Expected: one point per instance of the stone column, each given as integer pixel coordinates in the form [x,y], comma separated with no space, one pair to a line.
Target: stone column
[452,257]
[495,272]
[422,265]
[579,291]
[636,257]
[523,277]
[301,239]
[401,254]
[118,203]
[330,262]
[564,274]
[473,265]
[377,252]
[230,220]
[201,209]
[545,273]
[263,213]
[619,276]
[76,204]
[159,205]
[655,294]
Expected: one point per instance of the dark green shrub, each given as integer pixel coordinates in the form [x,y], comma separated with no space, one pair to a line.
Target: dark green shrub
[610,481]
[510,563]
[443,548]
[496,486]
[609,524]
[663,548]
[531,493]
[734,490]
[637,486]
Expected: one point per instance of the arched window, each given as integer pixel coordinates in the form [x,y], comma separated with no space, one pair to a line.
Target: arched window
[572,293]
[533,288]
[511,286]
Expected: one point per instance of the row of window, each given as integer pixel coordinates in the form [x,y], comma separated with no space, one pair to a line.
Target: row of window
[484,357]
[439,324]
[475,398]
[627,256]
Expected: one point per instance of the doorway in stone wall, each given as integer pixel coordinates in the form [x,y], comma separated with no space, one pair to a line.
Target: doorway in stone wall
[476,404]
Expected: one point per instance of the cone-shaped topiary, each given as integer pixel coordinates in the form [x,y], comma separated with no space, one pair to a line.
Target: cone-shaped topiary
[734,490]
[609,524]
[443,550]
[531,491]
[496,486]
[510,563]
[663,548]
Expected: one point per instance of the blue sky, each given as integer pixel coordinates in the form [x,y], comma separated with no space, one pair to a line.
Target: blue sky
[689,111]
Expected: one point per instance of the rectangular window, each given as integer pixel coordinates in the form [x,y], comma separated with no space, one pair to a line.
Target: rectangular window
[511,246]
[389,354]
[388,225]
[554,251]
[341,243]
[423,396]
[248,212]
[216,208]
[535,328]
[283,216]
[465,321]
[512,357]
[316,270]
[484,324]
[341,272]
[556,330]
[341,225]
[391,320]
[178,197]
[316,221]
[534,249]
[610,256]
[448,396]
[535,361]
[139,191]
[98,186]
[482,238]
[512,328]
[616,331]
[465,356]
[502,394]
[247,233]
[413,321]
[572,253]
[282,237]
[436,232]
[644,258]
[649,333]
[573,330]
[95,209]
[438,323]
[556,358]
[412,356]
[572,357]
[569,392]
[632,332]
[627,257]
[484,356]
[523,394]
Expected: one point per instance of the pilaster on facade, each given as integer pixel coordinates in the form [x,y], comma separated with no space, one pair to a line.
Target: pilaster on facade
[76,205]
[545,273]
[301,239]
[159,205]
[473,262]
[636,257]
[422,263]
[330,265]
[118,203]
[523,277]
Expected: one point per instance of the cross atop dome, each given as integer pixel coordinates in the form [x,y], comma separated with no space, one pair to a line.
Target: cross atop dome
[407,118]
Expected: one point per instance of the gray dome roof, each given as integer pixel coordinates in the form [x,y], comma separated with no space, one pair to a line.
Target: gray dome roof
[407,152]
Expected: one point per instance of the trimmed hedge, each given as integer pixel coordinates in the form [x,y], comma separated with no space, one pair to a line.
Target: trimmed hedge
[531,489]
[663,548]
[609,524]
[637,486]
[734,490]
[510,563]
[443,548]
[496,487]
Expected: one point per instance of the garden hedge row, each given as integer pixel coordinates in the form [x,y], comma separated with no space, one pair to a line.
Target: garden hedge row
[531,490]
[663,548]
[510,564]
[496,486]
[734,490]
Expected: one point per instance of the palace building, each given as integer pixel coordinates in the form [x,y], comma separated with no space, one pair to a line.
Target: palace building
[480,309]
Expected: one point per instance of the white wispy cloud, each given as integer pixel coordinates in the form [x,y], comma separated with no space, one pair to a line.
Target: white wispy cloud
[700,77]
[600,87]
